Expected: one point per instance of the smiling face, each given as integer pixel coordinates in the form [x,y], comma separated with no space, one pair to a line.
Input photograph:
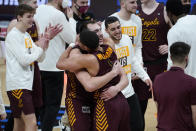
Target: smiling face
[97,29]
[114,30]
[129,5]
[26,20]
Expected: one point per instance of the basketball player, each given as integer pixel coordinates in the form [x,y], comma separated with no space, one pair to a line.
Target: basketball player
[174,92]
[155,25]
[125,53]
[182,30]
[21,52]
[131,25]
[97,63]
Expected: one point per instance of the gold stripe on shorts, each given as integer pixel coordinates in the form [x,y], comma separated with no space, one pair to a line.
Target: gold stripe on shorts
[101,118]
[17,93]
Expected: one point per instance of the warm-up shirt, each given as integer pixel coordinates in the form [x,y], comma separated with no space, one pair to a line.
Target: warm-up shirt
[175,92]
[184,31]
[45,15]
[133,28]
[125,54]
[21,52]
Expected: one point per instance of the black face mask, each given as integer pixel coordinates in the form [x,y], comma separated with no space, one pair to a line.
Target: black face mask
[186,8]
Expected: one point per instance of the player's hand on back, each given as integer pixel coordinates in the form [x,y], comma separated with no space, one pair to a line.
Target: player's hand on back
[109,93]
[116,68]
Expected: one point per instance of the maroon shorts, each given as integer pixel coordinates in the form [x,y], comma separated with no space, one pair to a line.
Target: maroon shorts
[112,115]
[141,89]
[79,114]
[21,101]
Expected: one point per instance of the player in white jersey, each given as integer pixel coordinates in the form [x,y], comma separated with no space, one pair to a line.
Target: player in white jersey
[183,30]
[125,53]
[131,25]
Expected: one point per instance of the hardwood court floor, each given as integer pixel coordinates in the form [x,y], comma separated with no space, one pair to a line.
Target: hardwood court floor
[150,113]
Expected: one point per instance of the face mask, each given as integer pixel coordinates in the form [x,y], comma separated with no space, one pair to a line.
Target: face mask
[186,8]
[65,3]
[82,9]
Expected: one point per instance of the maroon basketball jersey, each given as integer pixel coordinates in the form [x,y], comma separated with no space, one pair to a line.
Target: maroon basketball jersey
[75,89]
[33,32]
[106,59]
[154,33]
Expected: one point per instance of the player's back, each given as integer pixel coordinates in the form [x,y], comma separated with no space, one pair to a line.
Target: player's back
[174,93]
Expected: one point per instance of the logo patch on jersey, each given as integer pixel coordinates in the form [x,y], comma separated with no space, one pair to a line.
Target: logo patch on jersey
[86,109]
[101,116]
[129,30]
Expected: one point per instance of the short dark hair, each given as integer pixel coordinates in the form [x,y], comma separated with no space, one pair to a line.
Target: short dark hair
[178,51]
[83,25]
[110,20]
[89,39]
[23,8]
[175,7]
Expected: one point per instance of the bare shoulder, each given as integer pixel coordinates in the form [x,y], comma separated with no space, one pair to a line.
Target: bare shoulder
[109,42]
[11,25]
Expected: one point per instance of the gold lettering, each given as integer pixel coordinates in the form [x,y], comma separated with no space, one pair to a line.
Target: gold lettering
[149,23]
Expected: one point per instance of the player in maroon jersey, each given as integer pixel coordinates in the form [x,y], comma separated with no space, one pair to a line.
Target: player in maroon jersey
[108,115]
[155,25]
[174,91]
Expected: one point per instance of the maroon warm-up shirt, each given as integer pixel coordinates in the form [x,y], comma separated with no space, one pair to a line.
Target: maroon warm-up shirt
[175,92]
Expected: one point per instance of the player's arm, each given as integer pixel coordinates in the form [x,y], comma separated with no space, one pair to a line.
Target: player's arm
[72,60]
[11,25]
[192,93]
[114,90]
[91,83]
[139,70]
[68,33]
[138,43]
[193,108]
[167,20]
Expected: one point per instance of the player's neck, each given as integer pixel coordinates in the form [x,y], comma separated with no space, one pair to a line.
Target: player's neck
[180,16]
[21,27]
[116,41]
[123,14]
[150,4]
[181,65]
